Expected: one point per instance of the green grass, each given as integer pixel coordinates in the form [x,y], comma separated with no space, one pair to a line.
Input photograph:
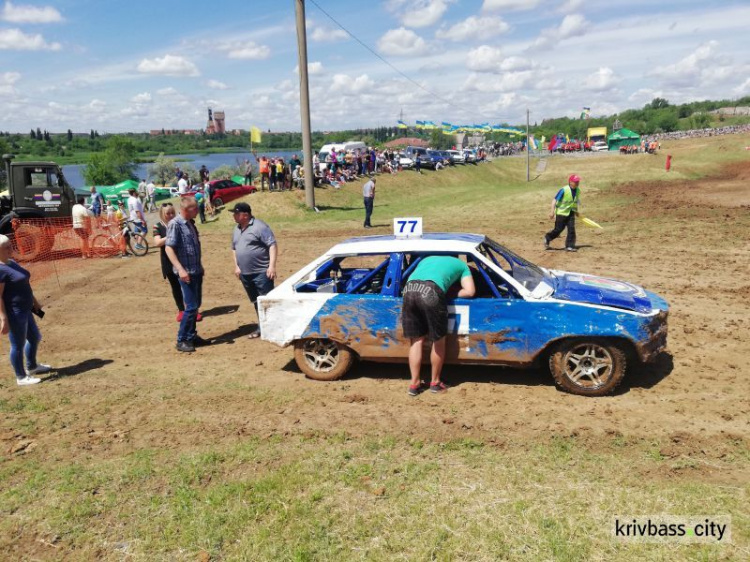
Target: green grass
[337,498]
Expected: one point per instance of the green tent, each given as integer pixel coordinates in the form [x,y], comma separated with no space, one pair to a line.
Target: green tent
[623,137]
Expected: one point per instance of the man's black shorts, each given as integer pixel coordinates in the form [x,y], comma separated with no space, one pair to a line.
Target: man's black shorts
[425,312]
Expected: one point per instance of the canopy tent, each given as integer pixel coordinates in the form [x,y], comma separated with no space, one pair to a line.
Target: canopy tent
[623,137]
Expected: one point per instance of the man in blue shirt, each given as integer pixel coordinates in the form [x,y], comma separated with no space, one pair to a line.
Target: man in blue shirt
[183,248]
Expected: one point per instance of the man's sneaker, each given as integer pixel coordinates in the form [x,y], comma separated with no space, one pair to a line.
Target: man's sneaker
[185,346]
[200,342]
[40,369]
[438,387]
[546,244]
[199,317]
[140,247]
[25,381]
[180,314]
[571,249]
[415,389]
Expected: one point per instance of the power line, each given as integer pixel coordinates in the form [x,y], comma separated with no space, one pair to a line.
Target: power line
[393,67]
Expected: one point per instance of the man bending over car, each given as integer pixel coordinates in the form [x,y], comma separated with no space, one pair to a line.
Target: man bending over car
[425,313]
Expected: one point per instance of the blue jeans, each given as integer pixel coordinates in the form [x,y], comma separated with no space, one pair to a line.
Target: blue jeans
[256,284]
[192,294]
[24,340]
[368,209]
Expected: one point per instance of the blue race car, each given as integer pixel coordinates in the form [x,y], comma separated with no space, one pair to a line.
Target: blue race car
[347,304]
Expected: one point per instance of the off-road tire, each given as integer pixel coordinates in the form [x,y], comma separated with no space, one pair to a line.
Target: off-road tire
[322,359]
[28,243]
[218,202]
[103,246]
[592,360]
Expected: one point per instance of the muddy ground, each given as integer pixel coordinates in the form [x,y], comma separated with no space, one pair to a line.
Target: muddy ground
[121,385]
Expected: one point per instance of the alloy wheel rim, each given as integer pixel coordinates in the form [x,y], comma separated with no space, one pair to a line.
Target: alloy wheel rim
[589,365]
[321,355]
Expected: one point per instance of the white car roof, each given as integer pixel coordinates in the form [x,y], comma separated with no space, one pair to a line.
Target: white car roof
[429,242]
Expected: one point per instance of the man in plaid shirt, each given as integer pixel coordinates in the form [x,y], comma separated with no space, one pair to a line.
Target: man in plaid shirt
[183,248]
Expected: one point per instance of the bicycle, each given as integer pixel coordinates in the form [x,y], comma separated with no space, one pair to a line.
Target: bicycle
[111,243]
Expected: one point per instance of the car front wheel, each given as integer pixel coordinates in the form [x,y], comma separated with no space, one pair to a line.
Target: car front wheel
[588,367]
[322,359]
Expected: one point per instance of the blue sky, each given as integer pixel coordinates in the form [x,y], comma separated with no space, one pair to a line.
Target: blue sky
[134,66]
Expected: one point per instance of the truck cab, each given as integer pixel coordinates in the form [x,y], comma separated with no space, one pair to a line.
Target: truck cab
[35,190]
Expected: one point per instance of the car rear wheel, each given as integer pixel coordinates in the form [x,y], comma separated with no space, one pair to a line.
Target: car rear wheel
[217,202]
[322,359]
[588,367]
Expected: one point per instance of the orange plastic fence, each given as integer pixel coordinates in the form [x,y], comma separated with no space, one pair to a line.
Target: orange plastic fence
[47,246]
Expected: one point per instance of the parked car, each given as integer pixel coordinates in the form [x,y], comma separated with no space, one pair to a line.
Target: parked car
[347,304]
[224,191]
[433,157]
[404,161]
[600,146]
[456,156]
[470,156]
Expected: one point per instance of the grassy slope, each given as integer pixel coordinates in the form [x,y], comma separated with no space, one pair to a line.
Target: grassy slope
[332,497]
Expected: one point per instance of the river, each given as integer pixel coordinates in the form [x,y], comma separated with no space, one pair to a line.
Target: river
[74,172]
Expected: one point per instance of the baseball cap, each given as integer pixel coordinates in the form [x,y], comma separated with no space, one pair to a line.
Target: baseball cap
[241,208]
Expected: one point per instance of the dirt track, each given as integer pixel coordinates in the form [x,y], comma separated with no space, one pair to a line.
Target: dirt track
[124,386]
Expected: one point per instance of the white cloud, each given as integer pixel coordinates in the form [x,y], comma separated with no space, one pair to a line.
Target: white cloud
[743,89]
[602,80]
[572,25]
[508,5]
[476,28]
[7,83]
[322,34]
[170,91]
[245,50]
[491,59]
[17,40]
[29,14]
[348,86]
[313,68]
[704,62]
[402,42]
[571,6]
[168,65]
[145,97]
[216,85]
[418,13]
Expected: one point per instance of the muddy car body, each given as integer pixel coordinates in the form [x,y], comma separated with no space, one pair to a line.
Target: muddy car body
[347,304]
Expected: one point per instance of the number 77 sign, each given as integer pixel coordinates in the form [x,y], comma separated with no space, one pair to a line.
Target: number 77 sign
[407,227]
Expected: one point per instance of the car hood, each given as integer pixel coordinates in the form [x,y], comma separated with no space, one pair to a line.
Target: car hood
[579,287]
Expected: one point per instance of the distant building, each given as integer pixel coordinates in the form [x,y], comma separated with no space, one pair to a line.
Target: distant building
[215,124]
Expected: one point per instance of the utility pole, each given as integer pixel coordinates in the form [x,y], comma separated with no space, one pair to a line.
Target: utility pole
[528,149]
[304,105]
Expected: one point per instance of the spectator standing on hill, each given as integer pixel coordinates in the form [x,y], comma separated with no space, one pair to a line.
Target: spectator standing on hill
[295,161]
[17,304]
[135,211]
[565,207]
[203,174]
[425,313]
[254,251]
[182,185]
[82,225]
[264,173]
[142,191]
[97,202]
[151,191]
[183,248]
[368,193]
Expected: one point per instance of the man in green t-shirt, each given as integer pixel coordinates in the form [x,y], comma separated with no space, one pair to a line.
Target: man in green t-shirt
[425,313]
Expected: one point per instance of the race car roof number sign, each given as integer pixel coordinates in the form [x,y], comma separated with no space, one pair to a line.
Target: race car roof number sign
[407,227]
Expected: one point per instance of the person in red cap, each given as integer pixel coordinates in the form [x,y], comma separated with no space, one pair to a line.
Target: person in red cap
[565,207]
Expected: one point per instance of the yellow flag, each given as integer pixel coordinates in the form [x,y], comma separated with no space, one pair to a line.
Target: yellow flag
[255,135]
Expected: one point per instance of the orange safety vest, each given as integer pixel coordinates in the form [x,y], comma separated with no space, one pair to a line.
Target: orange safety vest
[263,166]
